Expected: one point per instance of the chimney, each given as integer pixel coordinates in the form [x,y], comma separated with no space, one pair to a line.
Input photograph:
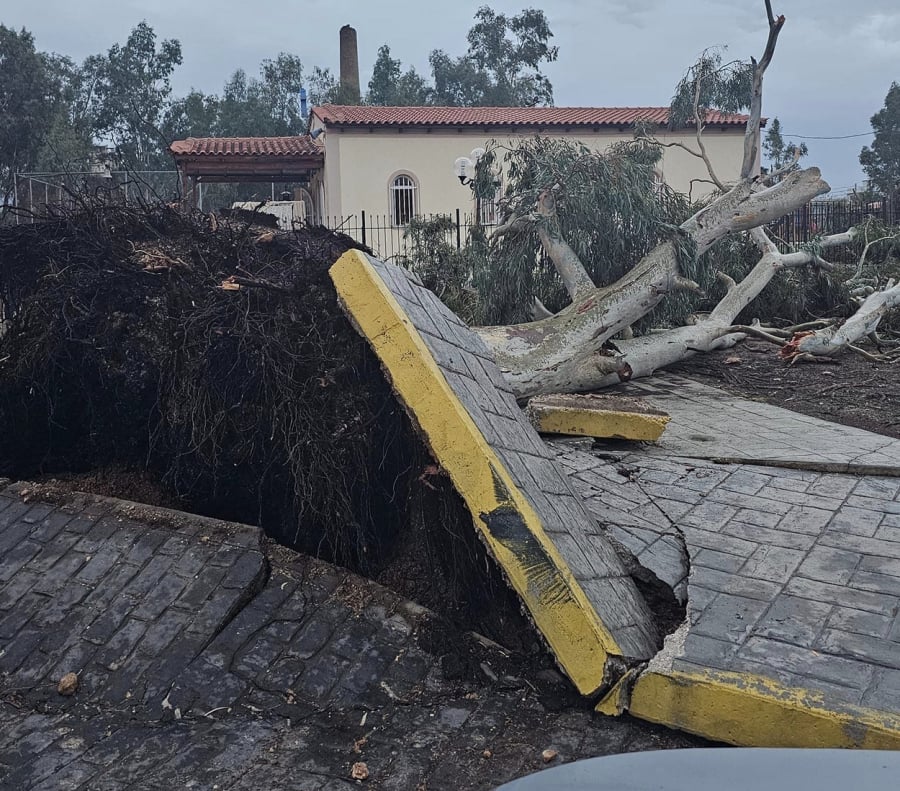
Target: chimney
[349,93]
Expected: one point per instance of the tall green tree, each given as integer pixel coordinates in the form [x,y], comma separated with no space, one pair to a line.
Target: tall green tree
[30,98]
[131,89]
[390,86]
[779,153]
[321,87]
[282,79]
[194,115]
[269,105]
[503,64]
[881,162]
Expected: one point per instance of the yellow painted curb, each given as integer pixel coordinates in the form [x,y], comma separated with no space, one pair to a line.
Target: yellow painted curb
[558,605]
[754,711]
[603,424]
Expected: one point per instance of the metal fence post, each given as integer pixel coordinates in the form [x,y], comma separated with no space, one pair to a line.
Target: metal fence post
[363,213]
[458,239]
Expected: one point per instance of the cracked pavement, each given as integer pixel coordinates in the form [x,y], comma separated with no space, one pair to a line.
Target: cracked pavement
[792,575]
[709,423]
[207,659]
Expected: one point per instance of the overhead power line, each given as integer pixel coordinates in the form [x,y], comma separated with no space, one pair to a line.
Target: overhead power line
[829,137]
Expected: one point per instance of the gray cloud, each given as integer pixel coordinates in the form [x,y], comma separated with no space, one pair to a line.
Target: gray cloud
[834,64]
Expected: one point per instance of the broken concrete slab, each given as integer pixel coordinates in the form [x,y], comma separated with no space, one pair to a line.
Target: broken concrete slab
[597,415]
[708,423]
[564,569]
[757,661]
[793,577]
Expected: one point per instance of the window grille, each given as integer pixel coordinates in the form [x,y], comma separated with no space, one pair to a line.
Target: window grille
[403,200]
[489,205]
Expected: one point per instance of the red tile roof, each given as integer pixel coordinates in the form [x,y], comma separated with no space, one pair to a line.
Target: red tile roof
[344,115]
[297,146]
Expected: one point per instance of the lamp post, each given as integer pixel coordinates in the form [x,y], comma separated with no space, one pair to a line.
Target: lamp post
[464,167]
[464,170]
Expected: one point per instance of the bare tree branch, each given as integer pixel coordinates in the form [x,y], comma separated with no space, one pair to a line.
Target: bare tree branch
[752,135]
[786,168]
[574,276]
[699,125]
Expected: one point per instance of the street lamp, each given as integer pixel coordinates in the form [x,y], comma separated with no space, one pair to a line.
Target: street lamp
[464,167]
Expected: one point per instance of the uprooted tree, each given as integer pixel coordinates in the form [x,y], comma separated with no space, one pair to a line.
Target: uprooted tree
[572,349]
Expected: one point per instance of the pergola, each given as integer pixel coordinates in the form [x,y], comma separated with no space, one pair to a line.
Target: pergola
[244,159]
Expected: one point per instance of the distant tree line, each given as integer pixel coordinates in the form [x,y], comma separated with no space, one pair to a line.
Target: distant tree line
[56,113]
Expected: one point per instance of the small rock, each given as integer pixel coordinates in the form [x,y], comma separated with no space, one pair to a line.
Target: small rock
[68,684]
[487,754]
[359,771]
[733,360]
[548,755]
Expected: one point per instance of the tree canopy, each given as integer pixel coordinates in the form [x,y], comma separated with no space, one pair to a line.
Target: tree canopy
[30,99]
[132,88]
[881,162]
[711,83]
[390,86]
[780,153]
[501,68]
[56,114]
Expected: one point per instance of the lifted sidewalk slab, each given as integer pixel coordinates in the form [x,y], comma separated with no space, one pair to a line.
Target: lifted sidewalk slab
[708,423]
[774,651]
[792,577]
[565,571]
[599,416]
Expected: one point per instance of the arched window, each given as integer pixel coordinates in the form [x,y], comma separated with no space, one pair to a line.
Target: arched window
[404,199]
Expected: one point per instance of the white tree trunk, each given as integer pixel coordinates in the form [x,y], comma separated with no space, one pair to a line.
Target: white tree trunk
[830,341]
[555,353]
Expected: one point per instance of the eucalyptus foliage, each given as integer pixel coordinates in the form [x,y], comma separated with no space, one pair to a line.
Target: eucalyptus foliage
[610,208]
[432,255]
[882,161]
[712,83]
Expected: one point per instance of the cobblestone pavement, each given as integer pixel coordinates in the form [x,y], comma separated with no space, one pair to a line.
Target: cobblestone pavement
[788,574]
[708,423]
[208,660]
[788,569]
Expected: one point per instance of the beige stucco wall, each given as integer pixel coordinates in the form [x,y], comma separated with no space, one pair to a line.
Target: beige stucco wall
[360,165]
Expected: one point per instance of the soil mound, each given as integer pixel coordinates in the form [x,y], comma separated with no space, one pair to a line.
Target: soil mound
[212,352]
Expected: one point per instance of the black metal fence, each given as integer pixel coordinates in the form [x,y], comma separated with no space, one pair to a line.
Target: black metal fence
[831,216]
[35,193]
[388,241]
[800,227]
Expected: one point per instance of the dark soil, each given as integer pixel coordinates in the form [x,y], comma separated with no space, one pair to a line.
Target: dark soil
[851,391]
[205,365]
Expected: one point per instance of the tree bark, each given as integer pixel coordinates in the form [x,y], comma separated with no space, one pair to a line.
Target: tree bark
[830,341]
[645,355]
[555,353]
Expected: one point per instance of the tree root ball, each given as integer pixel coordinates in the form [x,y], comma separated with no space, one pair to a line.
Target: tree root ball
[211,352]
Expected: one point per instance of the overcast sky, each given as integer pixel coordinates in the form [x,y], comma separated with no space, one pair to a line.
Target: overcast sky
[833,67]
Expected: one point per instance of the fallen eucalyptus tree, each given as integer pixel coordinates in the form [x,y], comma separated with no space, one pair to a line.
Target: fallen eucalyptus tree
[572,350]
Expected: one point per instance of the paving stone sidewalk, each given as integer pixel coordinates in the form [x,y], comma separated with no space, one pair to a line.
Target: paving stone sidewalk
[708,423]
[789,574]
[207,659]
